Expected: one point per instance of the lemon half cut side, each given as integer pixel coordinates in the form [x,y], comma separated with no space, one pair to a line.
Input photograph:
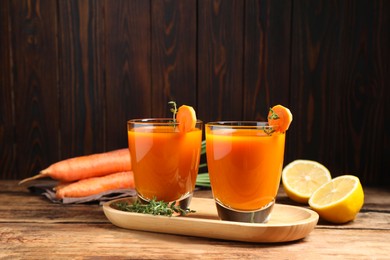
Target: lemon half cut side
[340,200]
[301,178]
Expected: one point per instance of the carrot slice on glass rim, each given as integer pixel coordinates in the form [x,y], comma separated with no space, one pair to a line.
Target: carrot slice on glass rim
[186,117]
[280,117]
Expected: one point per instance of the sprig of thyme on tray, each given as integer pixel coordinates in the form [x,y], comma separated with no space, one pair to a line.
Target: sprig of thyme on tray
[153,207]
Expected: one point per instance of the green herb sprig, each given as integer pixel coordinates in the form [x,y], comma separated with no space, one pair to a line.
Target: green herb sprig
[273,115]
[154,207]
[173,110]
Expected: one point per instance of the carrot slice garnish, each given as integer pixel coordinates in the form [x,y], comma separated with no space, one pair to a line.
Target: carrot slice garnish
[186,117]
[280,117]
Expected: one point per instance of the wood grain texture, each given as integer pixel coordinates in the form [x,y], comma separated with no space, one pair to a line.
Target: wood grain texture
[82,92]
[173,55]
[220,66]
[7,108]
[38,227]
[286,223]
[337,86]
[128,70]
[73,72]
[35,86]
[103,241]
[267,57]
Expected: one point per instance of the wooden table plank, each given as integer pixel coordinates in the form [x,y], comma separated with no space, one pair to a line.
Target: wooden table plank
[32,208]
[32,226]
[102,240]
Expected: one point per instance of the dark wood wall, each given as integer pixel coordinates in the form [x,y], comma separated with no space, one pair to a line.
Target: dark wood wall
[73,72]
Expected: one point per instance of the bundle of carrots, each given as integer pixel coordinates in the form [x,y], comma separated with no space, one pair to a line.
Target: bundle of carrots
[90,174]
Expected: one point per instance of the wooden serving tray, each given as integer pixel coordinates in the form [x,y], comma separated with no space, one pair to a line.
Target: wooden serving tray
[287,223]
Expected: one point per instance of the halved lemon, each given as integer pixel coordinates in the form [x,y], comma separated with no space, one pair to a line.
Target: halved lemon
[301,178]
[340,200]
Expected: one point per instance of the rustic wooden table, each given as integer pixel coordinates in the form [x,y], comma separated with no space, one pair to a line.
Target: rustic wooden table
[32,227]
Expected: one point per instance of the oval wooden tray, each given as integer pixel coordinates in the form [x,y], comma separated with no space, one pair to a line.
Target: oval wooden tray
[287,223]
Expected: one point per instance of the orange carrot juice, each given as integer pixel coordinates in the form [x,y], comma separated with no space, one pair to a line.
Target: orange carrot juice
[165,161]
[245,165]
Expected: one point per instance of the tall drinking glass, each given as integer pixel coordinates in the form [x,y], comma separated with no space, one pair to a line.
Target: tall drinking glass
[245,161]
[165,161]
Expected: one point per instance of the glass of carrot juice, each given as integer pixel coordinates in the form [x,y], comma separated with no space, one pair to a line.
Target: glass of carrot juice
[165,161]
[245,161]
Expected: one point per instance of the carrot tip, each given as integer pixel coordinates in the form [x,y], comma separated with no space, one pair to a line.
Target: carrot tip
[38,176]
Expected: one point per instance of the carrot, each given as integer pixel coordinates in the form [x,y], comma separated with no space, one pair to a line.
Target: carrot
[95,185]
[87,166]
[281,117]
[61,185]
[186,117]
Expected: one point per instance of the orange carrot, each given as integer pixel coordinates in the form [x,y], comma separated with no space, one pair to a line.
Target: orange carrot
[186,117]
[95,185]
[281,117]
[87,166]
[61,185]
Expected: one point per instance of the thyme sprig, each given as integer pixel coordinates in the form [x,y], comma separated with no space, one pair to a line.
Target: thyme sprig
[173,110]
[273,115]
[269,131]
[154,207]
